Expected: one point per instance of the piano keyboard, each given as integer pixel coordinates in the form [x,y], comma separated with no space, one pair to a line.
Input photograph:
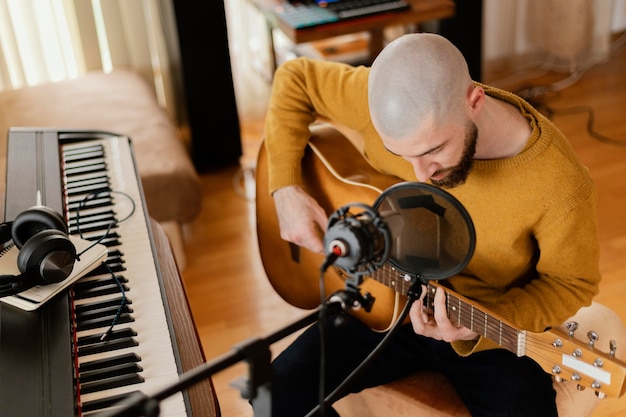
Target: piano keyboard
[139,354]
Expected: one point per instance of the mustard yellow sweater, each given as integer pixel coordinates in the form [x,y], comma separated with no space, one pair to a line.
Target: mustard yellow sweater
[536,257]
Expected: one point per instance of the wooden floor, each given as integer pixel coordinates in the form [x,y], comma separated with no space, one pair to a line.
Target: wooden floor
[232,300]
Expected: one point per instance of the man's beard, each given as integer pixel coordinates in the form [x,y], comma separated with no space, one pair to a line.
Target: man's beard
[460,172]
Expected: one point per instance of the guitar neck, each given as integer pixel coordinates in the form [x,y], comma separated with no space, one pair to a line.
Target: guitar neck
[459,310]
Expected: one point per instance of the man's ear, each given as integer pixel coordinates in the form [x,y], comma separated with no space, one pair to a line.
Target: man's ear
[476,97]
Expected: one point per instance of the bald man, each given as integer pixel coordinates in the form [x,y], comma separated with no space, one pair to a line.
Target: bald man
[417,114]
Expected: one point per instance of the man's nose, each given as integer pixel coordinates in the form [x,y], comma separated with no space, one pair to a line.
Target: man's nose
[423,168]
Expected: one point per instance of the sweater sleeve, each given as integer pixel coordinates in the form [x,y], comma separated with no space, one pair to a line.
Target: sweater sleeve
[303,90]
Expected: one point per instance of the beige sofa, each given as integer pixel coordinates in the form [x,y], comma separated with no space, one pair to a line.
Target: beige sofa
[120,102]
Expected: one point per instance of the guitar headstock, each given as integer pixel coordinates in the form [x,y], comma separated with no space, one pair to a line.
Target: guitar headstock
[567,358]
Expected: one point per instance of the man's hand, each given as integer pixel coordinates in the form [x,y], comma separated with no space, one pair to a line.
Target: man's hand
[300,218]
[437,325]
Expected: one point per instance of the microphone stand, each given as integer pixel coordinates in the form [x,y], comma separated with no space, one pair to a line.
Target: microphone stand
[258,387]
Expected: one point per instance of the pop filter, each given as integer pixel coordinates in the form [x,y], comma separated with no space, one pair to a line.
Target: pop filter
[419,229]
[432,234]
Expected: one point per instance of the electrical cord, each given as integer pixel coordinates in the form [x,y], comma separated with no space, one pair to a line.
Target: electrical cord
[115,222]
[539,94]
[325,401]
[550,111]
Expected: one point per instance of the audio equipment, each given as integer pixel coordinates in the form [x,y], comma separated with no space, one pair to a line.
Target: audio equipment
[418,228]
[359,242]
[46,254]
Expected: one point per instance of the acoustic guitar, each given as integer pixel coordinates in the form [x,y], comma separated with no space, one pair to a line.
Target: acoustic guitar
[336,175]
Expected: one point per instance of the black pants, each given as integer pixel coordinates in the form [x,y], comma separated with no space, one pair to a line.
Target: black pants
[491,383]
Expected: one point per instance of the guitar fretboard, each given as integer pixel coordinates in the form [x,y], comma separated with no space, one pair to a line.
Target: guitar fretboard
[459,310]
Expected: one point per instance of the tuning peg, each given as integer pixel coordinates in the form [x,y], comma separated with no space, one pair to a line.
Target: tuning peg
[571,326]
[613,347]
[600,394]
[593,337]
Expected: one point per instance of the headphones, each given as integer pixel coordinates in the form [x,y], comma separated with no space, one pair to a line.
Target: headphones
[46,253]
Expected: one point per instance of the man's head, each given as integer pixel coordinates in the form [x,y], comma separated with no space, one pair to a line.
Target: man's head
[418,98]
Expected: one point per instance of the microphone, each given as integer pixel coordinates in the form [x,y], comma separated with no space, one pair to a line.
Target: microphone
[421,230]
[359,243]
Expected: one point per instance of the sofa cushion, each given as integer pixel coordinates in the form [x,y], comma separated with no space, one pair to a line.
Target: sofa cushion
[120,102]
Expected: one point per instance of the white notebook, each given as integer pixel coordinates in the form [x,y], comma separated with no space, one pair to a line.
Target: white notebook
[35,297]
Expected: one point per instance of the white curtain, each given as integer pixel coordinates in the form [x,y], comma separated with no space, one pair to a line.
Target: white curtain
[51,40]
[567,36]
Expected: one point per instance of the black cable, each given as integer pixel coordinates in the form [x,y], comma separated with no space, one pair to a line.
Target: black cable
[335,395]
[537,94]
[81,204]
[328,261]
[120,308]
[91,196]
[550,111]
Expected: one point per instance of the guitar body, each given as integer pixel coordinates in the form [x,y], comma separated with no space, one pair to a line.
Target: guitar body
[294,272]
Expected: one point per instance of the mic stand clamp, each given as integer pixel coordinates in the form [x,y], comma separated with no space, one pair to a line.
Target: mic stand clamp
[350,298]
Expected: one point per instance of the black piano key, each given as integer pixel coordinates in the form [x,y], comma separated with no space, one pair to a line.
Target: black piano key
[102,403]
[113,371]
[76,182]
[74,166]
[105,195]
[86,149]
[86,168]
[109,361]
[97,216]
[79,180]
[112,264]
[82,156]
[88,189]
[98,291]
[114,382]
[92,339]
[102,312]
[107,346]
[93,226]
[113,301]
[102,322]
[81,203]
[111,240]
[84,285]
